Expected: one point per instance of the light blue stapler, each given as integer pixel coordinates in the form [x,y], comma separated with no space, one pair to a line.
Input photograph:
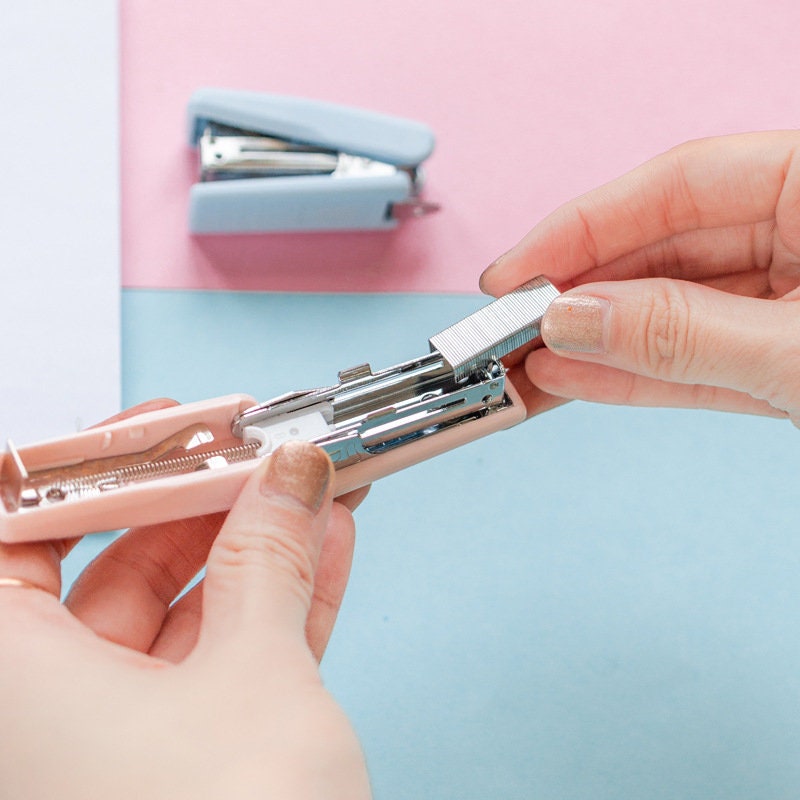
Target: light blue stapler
[277,163]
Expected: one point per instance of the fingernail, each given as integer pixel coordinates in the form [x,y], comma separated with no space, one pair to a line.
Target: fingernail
[577,324]
[488,272]
[301,470]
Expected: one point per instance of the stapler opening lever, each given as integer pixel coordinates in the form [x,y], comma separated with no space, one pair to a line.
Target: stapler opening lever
[193,459]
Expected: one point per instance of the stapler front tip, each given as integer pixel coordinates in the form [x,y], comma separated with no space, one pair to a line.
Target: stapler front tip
[271,163]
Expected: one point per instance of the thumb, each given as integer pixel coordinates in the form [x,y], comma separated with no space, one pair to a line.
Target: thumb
[682,332]
[260,573]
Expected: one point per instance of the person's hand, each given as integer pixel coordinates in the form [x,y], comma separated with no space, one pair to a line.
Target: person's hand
[687,271]
[124,692]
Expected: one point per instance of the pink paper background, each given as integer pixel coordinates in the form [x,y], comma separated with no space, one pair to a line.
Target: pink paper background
[532,103]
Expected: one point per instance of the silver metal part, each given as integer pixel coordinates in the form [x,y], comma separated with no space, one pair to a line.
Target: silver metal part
[368,412]
[495,330]
[229,153]
[359,167]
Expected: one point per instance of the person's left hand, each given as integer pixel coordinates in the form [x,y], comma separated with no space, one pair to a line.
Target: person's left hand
[681,282]
[122,691]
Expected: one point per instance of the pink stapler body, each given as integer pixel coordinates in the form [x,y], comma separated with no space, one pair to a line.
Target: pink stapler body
[189,460]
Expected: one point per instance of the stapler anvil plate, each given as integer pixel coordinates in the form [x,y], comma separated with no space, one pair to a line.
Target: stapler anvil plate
[273,163]
[193,459]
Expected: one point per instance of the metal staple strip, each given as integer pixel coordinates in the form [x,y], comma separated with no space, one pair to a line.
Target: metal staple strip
[497,329]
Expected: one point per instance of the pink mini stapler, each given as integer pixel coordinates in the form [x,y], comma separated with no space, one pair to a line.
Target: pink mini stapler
[193,459]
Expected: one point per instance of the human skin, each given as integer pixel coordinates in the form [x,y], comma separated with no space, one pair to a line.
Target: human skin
[681,283]
[122,692]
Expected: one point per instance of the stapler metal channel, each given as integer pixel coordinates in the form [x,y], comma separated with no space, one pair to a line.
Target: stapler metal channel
[277,163]
[193,459]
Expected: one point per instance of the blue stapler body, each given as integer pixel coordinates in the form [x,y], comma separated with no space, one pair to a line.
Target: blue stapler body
[278,163]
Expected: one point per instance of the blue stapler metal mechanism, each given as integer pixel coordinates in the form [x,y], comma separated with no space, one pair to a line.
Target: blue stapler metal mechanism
[277,163]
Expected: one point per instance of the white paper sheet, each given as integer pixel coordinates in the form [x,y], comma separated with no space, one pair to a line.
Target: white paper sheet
[59,217]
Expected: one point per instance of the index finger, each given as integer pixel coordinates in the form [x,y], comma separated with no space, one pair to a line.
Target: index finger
[709,183]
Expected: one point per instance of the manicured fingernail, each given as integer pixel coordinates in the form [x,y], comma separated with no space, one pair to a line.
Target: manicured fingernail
[577,324]
[300,470]
[488,272]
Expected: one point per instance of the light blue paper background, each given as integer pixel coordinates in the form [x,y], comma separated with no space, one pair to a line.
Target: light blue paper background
[601,603]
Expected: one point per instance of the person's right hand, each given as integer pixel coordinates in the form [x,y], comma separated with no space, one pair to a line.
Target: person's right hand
[683,278]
